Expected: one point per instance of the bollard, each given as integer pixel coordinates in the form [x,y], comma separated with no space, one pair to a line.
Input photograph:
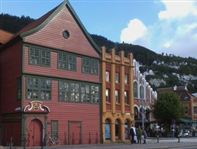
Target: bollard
[157,138]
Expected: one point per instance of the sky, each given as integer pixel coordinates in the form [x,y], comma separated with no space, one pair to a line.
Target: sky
[164,26]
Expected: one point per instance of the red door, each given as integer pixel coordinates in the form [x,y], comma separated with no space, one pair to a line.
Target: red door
[75,133]
[35,133]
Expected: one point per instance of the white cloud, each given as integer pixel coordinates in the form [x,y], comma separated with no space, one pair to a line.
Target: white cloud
[135,30]
[175,31]
[177,9]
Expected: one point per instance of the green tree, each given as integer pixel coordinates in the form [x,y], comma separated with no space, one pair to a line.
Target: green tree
[168,108]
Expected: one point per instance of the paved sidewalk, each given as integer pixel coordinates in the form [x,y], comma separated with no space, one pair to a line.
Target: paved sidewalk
[164,143]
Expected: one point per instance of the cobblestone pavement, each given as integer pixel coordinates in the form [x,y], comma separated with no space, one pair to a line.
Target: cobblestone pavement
[164,143]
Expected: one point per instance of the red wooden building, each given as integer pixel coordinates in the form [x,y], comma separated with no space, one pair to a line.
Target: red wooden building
[50,83]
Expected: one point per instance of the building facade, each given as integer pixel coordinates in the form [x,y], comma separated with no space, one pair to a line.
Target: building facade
[117,96]
[145,98]
[50,83]
[189,104]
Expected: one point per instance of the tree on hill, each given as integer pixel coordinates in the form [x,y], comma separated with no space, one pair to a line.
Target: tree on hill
[13,24]
[168,109]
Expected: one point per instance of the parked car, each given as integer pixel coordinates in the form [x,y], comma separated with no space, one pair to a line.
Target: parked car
[185,133]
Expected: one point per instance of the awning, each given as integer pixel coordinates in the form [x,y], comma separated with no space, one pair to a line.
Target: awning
[185,120]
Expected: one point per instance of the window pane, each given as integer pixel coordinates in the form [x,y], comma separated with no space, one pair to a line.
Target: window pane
[135,86]
[38,88]
[107,93]
[126,78]
[39,56]
[117,96]
[126,97]
[117,78]
[90,66]
[54,129]
[78,92]
[107,76]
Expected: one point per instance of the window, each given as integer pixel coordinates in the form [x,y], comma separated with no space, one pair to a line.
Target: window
[107,129]
[126,79]
[90,66]
[71,91]
[85,93]
[107,93]
[39,56]
[135,86]
[141,92]
[107,76]
[66,34]
[67,61]
[74,92]
[126,97]
[38,88]
[94,94]
[186,110]
[195,110]
[117,96]
[54,129]
[117,78]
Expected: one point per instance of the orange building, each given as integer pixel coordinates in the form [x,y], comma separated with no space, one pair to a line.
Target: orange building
[117,96]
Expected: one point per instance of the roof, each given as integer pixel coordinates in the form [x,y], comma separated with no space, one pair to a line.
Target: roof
[5,36]
[181,91]
[42,21]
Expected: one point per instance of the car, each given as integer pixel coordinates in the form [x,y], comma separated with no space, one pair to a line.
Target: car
[184,133]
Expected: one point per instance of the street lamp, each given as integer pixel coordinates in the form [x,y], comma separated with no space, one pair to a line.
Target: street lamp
[143,95]
[142,112]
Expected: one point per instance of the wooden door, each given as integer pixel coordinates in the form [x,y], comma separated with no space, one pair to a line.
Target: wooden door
[74,132]
[35,133]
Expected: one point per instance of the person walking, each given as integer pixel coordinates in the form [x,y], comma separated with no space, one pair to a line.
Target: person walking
[139,135]
[144,134]
[132,134]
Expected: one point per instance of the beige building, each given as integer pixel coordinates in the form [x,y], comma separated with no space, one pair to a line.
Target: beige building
[117,96]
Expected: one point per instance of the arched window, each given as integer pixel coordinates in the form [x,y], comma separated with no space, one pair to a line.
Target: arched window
[147,114]
[107,129]
[135,86]
[141,92]
[117,129]
[127,129]
[136,113]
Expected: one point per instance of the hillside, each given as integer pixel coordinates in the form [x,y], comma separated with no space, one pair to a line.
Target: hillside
[161,70]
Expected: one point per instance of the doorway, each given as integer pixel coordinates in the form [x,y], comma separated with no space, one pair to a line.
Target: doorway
[35,133]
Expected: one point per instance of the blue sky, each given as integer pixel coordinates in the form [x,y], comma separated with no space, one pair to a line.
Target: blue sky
[168,26]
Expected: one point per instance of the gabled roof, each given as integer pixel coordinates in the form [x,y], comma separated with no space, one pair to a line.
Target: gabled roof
[41,22]
[5,36]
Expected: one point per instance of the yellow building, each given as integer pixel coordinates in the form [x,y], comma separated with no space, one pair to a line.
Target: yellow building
[117,96]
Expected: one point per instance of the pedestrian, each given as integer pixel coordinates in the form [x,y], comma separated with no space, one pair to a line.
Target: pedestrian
[139,135]
[177,133]
[132,134]
[144,134]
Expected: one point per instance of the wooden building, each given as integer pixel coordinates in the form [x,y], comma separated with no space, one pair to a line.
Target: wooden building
[50,83]
[117,96]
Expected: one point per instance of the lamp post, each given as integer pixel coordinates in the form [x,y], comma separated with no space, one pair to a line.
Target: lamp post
[142,113]
[143,102]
